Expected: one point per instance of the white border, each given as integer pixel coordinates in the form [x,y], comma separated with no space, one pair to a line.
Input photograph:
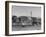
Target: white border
[24,32]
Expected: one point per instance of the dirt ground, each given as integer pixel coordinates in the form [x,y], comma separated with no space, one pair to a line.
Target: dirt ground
[26,27]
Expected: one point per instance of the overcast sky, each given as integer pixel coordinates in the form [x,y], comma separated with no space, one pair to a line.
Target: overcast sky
[26,11]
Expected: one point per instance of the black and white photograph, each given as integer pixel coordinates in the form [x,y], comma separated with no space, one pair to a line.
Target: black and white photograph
[26,17]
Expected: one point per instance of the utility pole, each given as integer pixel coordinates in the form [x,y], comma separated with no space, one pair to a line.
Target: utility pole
[31,13]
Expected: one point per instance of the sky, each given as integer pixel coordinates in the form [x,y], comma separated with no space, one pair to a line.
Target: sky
[26,11]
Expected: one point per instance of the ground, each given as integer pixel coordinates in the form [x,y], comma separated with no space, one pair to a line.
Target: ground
[26,27]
